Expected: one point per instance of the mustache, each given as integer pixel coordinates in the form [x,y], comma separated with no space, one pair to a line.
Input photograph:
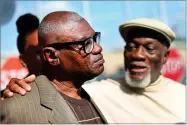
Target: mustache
[139,63]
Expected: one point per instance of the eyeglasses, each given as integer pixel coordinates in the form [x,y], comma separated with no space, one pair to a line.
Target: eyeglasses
[87,45]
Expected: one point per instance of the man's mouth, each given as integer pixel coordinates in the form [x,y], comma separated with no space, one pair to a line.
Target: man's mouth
[138,71]
[99,60]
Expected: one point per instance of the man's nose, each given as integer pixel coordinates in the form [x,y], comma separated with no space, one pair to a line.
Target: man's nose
[139,53]
[97,49]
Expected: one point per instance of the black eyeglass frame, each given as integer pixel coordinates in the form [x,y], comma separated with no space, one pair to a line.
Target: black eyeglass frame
[59,46]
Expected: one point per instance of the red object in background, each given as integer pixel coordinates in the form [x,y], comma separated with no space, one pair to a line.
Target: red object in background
[12,68]
[174,68]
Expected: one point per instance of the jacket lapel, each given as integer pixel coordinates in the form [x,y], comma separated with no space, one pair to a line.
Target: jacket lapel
[51,98]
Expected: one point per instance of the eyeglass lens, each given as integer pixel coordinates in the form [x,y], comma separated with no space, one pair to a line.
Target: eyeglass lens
[89,44]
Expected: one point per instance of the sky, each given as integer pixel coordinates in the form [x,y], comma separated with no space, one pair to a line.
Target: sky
[104,16]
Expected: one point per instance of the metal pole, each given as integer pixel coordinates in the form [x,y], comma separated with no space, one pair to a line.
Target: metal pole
[86,11]
[163,13]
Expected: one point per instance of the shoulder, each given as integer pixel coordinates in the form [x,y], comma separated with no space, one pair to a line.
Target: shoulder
[171,84]
[175,89]
[29,108]
[101,83]
[14,107]
[18,98]
[175,92]
[102,86]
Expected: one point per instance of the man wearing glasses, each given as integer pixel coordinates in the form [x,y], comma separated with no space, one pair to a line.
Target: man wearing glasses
[143,95]
[71,55]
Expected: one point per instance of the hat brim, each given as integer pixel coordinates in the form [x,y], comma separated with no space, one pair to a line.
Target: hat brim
[124,29]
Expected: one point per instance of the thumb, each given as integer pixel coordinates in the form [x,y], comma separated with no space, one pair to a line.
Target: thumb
[1,99]
[30,78]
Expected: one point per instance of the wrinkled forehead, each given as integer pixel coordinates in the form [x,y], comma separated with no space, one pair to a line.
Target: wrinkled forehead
[76,31]
[67,32]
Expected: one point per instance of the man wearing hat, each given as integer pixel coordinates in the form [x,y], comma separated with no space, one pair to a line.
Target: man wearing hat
[144,95]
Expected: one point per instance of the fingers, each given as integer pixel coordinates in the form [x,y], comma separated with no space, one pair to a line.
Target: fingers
[17,89]
[1,99]
[30,78]
[15,86]
[23,85]
[19,86]
[7,93]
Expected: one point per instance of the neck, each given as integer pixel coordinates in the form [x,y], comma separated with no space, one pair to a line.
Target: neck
[68,84]
[67,87]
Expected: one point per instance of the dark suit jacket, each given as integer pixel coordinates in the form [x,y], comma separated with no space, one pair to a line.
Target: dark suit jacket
[43,104]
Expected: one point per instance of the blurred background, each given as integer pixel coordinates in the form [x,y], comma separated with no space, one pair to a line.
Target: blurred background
[104,16]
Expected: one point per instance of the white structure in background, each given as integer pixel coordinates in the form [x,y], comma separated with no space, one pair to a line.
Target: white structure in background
[163,13]
[127,10]
[86,11]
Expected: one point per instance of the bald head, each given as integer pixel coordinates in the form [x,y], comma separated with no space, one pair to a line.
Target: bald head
[60,26]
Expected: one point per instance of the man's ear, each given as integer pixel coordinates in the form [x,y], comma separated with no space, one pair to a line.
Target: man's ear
[166,56]
[21,58]
[51,56]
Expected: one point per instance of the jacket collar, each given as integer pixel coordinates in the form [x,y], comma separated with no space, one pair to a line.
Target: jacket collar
[51,98]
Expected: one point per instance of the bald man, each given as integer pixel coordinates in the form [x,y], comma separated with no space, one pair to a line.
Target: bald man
[70,55]
[144,95]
